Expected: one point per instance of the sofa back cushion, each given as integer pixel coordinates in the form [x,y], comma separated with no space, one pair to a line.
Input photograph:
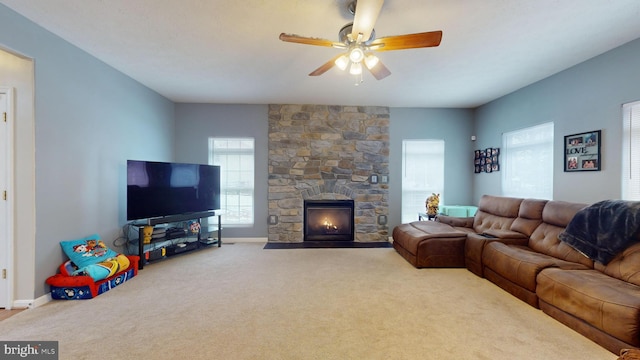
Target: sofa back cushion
[625,266]
[529,216]
[496,212]
[544,239]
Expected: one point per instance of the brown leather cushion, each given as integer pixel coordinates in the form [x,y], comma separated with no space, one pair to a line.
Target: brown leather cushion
[410,235]
[520,264]
[625,266]
[465,222]
[606,303]
[500,205]
[544,239]
[504,234]
[560,213]
[496,212]
[529,216]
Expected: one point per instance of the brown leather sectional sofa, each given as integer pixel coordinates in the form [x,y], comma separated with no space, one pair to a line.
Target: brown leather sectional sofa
[514,243]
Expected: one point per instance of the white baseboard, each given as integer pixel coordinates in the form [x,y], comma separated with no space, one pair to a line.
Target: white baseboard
[30,304]
[23,304]
[243,240]
[42,300]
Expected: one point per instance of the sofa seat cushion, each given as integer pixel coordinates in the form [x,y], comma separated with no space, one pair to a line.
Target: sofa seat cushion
[476,243]
[409,236]
[602,301]
[519,264]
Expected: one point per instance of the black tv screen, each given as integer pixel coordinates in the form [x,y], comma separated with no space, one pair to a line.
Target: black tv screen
[158,189]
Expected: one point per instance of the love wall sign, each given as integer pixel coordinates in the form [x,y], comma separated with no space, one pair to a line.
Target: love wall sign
[582,151]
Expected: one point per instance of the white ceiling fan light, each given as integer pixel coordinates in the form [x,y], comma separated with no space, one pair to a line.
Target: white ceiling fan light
[356,68]
[356,54]
[342,62]
[359,39]
[371,61]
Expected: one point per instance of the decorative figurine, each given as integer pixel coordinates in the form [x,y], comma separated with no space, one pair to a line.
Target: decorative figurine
[433,202]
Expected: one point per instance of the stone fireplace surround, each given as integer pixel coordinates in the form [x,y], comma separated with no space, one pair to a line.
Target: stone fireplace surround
[326,152]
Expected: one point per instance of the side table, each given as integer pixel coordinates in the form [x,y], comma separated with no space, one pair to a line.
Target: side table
[422,216]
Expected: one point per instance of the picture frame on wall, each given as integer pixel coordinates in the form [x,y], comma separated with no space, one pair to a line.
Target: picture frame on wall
[486,160]
[582,151]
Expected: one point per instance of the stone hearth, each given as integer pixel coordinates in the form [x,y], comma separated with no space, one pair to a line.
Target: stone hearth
[323,152]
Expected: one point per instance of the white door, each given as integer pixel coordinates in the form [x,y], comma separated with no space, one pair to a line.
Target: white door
[6,213]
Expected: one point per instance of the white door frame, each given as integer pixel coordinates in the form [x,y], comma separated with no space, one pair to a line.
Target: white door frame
[7,234]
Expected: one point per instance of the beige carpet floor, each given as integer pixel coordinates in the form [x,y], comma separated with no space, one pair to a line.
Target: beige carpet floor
[243,302]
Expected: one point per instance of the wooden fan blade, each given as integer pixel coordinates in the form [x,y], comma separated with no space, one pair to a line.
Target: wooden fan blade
[325,67]
[309,41]
[409,41]
[367,12]
[379,71]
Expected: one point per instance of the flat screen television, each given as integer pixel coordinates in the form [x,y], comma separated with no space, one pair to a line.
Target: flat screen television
[160,189]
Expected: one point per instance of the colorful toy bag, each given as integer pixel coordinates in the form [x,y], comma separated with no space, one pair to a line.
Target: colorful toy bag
[65,287]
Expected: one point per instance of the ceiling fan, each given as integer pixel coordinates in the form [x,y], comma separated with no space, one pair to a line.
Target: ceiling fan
[359,40]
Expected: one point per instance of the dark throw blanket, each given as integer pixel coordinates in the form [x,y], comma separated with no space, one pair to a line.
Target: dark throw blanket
[604,229]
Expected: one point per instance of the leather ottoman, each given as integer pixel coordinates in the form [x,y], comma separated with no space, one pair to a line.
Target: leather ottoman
[430,244]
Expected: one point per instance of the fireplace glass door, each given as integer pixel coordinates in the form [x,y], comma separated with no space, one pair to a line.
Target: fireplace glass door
[328,220]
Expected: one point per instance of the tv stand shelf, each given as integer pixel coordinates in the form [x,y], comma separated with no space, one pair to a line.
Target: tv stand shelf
[178,243]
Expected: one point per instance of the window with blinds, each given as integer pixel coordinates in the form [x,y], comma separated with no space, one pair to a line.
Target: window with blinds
[527,162]
[631,151]
[422,175]
[236,158]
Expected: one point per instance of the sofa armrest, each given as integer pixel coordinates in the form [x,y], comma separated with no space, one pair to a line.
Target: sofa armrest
[456,221]
[504,234]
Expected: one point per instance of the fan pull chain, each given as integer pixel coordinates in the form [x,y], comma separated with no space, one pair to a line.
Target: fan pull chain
[358,82]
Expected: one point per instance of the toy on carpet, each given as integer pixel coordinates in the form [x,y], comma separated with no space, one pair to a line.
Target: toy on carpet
[432,203]
[92,269]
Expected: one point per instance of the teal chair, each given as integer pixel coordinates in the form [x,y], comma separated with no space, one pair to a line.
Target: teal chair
[458,210]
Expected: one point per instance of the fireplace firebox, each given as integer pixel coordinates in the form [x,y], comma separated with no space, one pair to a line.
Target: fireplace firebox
[328,220]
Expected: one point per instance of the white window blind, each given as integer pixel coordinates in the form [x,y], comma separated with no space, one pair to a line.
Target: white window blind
[527,162]
[422,175]
[631,151]
[236,157]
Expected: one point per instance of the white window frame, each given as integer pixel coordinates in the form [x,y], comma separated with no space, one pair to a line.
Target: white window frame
[527,162]
[237,178]
[631,151]
[422,175]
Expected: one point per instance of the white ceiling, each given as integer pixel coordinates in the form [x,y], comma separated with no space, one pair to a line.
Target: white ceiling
[227,51]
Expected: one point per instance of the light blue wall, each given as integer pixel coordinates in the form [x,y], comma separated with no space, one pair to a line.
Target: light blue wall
[585,97]
[196,123]
[89,119]
[455,127]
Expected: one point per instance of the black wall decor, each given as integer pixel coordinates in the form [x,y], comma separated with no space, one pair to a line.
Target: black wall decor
[487,160]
